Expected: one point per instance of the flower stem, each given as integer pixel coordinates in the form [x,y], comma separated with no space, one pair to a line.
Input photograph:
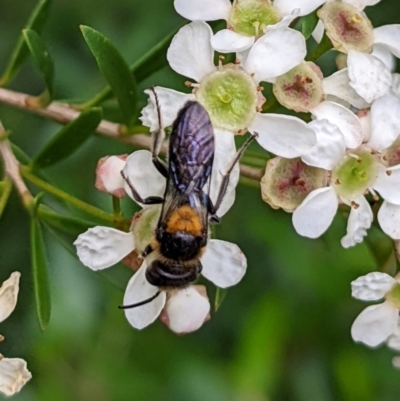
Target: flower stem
[92,210]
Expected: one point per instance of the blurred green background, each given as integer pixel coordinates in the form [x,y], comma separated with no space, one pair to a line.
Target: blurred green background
[282,334]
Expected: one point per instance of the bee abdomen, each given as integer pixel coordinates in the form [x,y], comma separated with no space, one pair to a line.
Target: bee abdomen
[173,275]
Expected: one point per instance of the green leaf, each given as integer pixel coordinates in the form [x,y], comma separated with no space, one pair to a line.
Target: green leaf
[324,46]
[36,22]
[308,24]
[220,294]
[70,138]
[155,59]
[72,226]
[5,191]
[115,70]
[43,62]
[40,274]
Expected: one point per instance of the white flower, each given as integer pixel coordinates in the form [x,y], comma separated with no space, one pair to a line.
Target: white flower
[376,323]
[368,73]
[356,169]
[230,93]
[13,371]
[246,19]
[101,247]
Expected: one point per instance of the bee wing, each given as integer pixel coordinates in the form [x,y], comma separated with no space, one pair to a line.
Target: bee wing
[191,148]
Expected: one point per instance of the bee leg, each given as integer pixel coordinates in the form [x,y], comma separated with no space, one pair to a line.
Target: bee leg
[147,251]
[160,166]
[150,200]
[213,209]
[158,138]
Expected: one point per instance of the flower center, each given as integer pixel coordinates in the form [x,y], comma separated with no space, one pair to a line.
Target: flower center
[355,174]
[230,96]
[300,89]
[347,28]
[143,227]
[394,295]
[251,17]
[287,182]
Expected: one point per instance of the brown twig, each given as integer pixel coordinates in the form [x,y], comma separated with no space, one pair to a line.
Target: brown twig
[63,114]
[11,168]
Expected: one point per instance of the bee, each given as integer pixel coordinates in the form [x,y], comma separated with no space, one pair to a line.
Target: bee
[181,235]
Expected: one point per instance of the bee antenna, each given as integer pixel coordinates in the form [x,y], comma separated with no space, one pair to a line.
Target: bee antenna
[146,301]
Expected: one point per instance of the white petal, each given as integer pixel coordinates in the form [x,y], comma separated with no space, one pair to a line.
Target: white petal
[227,41]
[372,286]
[102,247]
[385,121]
[359,221]
[361,4]
[396,84]
[389,219]
[315,214]
[389,37]
[13,375]
[203,10]
[385,56]
[142,174]
[368,75]
[306,6]
[394,339]
[285,21]
[225,151]
[224,264]
[190,53]
[319,31]
[338,84]
[138,290]
[280,58]
[345,119]
[187,310]
[375,324]
[388,186]
[170,103]
[285,136]
[330,147]
[9,295]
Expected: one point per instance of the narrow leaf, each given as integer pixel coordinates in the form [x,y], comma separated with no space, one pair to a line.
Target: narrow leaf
[70,138]
[220,294]
[308,24]
[40,274]
[115,70]
[66,224]
[155,59]
[5,190]
[36,22]
[44,63]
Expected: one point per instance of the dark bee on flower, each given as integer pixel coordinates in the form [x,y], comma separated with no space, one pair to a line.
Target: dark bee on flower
[181,235]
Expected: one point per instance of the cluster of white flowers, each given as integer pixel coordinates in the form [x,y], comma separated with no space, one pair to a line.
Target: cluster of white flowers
[345,152]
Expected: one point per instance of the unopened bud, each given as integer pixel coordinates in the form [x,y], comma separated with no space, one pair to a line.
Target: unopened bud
[108,175]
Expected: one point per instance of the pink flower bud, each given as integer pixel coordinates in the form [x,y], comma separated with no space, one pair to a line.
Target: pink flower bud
[108,175]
